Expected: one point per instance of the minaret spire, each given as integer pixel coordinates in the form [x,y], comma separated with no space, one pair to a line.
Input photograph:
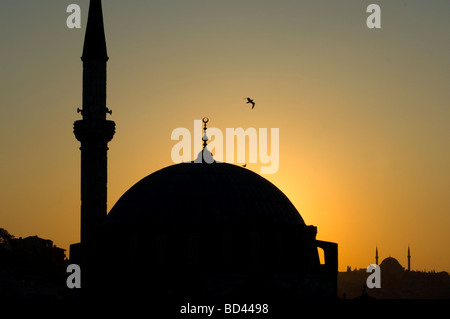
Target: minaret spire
[94,40]
[94,131]
[376,255]
[409,259]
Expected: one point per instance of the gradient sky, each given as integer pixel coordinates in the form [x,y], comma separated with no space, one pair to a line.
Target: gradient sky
[363,114]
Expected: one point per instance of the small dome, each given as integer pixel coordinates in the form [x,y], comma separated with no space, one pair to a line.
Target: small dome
[390,264]
[206,194]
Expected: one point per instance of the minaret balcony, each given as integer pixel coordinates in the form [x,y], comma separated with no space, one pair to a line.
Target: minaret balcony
[94,130]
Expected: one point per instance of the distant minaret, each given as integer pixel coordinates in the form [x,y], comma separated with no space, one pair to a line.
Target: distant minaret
[376,255]
[93,131]
[409,259]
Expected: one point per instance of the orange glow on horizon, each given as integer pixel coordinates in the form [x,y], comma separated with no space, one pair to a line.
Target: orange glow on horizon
[362,115]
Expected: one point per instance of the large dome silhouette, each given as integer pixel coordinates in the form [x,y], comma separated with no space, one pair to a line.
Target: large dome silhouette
[208,194]
[216,228]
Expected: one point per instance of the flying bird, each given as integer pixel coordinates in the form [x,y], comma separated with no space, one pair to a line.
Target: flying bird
[250,101]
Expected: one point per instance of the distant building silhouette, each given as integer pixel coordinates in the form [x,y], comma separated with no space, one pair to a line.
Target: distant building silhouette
[391,267]
[44,248]
[396,282]
[32,268]
[191,230]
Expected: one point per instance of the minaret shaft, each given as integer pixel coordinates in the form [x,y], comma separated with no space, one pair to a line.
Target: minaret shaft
[376,255]
[94,90]
[409,259]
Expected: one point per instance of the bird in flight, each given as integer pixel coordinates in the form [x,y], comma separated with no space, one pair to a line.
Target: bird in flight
[250,101]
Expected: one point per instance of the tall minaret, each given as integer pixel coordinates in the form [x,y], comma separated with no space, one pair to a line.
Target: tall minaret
[409,259]
[376,255]
[94,131]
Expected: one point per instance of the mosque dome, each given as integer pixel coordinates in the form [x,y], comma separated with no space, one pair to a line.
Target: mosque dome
[210,226]
[206,228]
[206,195]
[391,265]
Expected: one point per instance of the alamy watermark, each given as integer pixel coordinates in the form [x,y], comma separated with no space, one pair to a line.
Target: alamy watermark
[74,19]
[373,280]
[74,279]
[235,140]
[373,21]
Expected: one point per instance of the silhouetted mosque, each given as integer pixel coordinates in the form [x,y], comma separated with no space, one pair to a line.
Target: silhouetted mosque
[190,230]
[390,264]
[396,282]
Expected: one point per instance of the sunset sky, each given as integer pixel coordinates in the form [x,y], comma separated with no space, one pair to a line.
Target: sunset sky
[363,114]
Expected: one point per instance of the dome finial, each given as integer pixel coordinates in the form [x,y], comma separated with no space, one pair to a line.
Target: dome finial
[205,137]
[204,156]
